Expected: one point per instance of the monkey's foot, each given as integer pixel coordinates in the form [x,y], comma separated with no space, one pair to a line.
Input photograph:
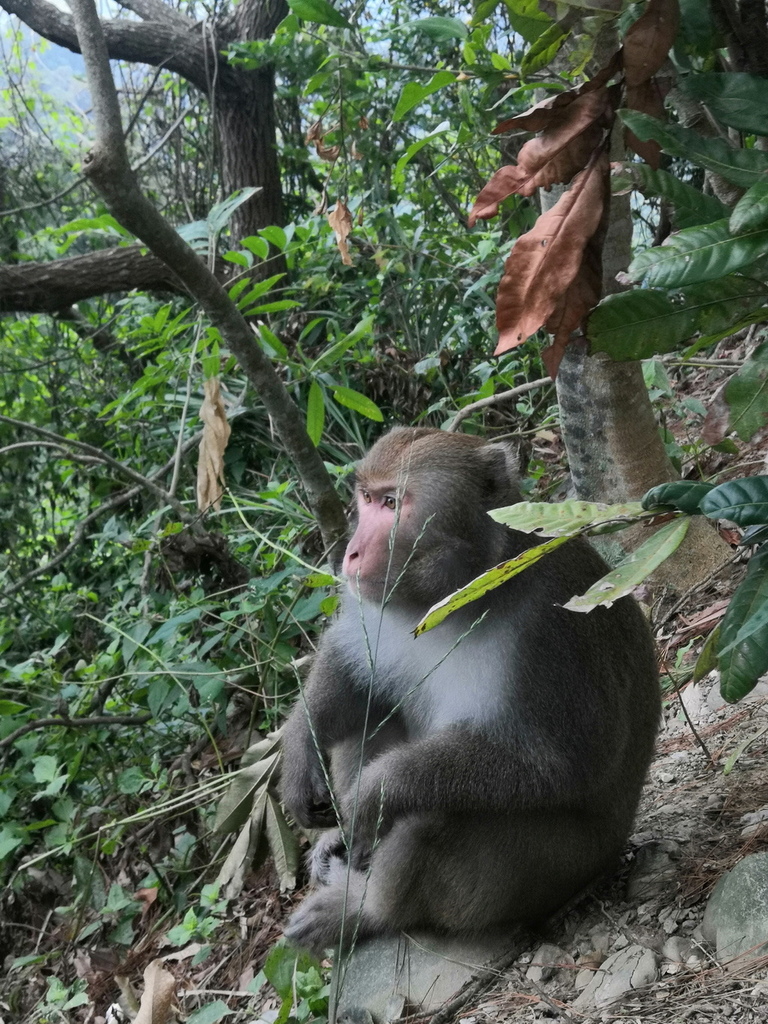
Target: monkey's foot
[317,924]
[328,858]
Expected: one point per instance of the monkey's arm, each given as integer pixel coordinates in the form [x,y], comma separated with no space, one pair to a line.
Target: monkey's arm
[459,770]
[330,710]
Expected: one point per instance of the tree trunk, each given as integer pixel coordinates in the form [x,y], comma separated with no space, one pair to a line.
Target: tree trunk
[615,451]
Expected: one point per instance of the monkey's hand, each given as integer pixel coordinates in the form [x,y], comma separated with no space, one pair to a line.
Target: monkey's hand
[364,816]
[303,785]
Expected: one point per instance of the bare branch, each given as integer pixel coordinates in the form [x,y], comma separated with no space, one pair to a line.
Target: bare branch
[74,723]
[503,396]
[108,169]
[102,456]
[158,43]
[79,533]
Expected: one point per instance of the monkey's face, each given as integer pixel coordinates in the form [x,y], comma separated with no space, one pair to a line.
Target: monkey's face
[383,540]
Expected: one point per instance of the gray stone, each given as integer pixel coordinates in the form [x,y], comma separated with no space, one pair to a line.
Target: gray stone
[736,918]
[547,959]
[654,869]
[385,976]
[623,973]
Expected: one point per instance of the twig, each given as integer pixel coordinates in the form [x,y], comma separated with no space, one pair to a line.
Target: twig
[74,723]
[102,456]
[79,531]
[691,726]
[503,396]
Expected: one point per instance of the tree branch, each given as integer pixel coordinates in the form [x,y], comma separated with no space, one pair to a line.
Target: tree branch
[74,723]
[108,169]
[102,456]
[503,396]
[78,534]
[58,284]
[159,43]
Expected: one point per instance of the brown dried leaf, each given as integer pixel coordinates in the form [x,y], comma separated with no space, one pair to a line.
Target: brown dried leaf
[329,153]
[210,463]
[340,220]
[314,132]
[580,297]
[556,155]
[649,40]
[540,116]
[363,123]
[648,98]
[546,260]
[159,986]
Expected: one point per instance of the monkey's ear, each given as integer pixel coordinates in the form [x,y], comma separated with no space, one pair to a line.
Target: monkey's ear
[503,461]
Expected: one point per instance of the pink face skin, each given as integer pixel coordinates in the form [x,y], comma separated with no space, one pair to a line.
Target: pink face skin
[366,560]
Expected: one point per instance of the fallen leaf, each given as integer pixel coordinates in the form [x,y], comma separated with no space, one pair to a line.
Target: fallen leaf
[649,40]
[159,986]
[546,260]
[340,220]
[210,463]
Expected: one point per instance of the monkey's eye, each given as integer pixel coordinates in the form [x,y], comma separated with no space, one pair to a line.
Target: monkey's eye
[366,497]
[390,501]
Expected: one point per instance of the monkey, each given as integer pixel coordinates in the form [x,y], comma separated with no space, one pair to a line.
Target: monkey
[485,772]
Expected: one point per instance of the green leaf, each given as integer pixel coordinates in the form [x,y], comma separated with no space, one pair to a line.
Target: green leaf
[45,768]
[481,585]
[236,803]
[282,964]
[743,167]
[683,495]
[440,29]
[641,323]
[359,403]
[707,659]
[210,1013]
[526,18]
[275,235]
[746,395]
[561,519]
[751,211]
[743,662]
[315,413]
[413,93]
[332,354]
[318,11]
[220,214]
[633,570]
[283,845]
[257,245]
[734,98]
[544,50]
[398,175]
[699,254]
[171,626]
[691,206]
[11,707]
[744,502]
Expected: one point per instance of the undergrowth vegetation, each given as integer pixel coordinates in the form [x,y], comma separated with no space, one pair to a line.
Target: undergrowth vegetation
[151,642]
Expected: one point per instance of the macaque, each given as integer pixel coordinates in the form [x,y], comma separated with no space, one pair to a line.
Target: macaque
[486,771]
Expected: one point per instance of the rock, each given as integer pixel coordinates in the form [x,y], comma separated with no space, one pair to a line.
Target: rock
[666,777]
[736,918]
[677,949]
[385,975]
[621,974]
[547,961]
[654,869]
